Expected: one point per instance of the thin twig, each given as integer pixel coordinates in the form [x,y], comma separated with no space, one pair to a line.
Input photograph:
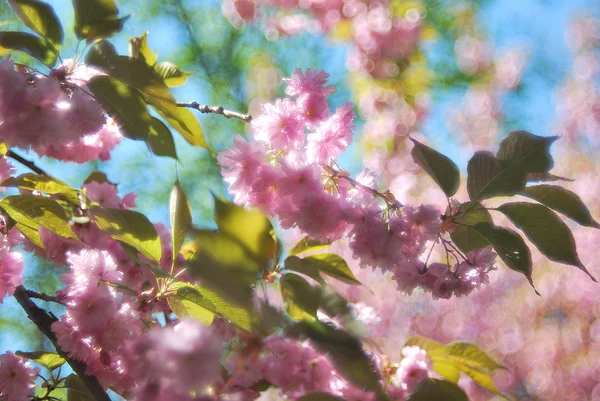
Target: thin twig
[206,109]
[29,164]
[42,296]
[44,320]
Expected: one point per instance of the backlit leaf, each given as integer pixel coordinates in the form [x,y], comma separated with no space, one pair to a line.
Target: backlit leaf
[97,19]
[180,214]
[308,245]
[171,74]
[423,342]
[160,139]
[138,47]
[40,18]
[531,153]
[77,390]
[43,183]
[439,167]
[131,227]
[464,235]
[330,264]
[467,354]
[27,43]
[48,359]
[300,297]
[487,178]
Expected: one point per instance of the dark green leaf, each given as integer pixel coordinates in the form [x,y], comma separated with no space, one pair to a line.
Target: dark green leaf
[131,227]
[562,200]
[97,19]
[180,214]
[531,153]
[171,74]
[28,43]
[319,396]
[138,47]
[300,297]
[48,359]
[464,235]
[33,211]
[344,351]
[295,264]
[438,390]
[443,171]
[160,139]
[308,245]
[77,390]
[545,177]
[124,104]
[546,231]
[510,247]
[40,18]
[487,178]
[250,227]
[99,177]
[43,183]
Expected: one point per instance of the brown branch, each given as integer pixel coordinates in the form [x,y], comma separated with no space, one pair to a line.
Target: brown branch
[206,109]
[42,296]
[43,320]
[29,164]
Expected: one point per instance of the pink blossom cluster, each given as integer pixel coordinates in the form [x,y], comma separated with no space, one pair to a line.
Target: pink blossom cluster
[54,115]
[17,378]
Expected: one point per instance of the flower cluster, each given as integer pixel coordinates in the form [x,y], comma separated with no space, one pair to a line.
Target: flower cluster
[73,124]
[11,268]
[17,378]
[289,170]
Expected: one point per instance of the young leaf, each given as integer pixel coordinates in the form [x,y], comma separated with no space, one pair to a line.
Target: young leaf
[301,299]
[467,354]
[546,231]
[48,359]
[131,227]
[31,211]
[138,47]
[510,247]
[97,19]
[562,200]
[124,104]
[27,43]
[160,139]
[308,245]
[439,167]
[438,390]
[40,18]
[189,127]
[180,214]
[487,179]
[464,235]
[43,183]
[188,302]
[250,228]
[447,370]
[526,152]
[171,74]
[344,351]
[330,264]
[423,342]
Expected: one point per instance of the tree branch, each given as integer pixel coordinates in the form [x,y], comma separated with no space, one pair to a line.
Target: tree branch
[206,109]
[29,164]
[43,320]
[42,296]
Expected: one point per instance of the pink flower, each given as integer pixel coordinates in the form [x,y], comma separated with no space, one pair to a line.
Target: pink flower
[17,379]
[414,368]
[103,193]
[279,125]
[11,268]
[312,82]
[332,137]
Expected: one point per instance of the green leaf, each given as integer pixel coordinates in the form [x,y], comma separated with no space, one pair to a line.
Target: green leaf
[180,214]
[295,264]
[531,153]
[447,370]
[319,396]
[40,18]
[171,74]
[562,200]
[510,247]
[97,19]
[43,183]
[344,351]
[138,47]
[301,299]
[223,265]
[243,318]
[3,149]
[48,359]
[467,354]
[27,43]
[99,177]
[33,211]
[77,390]
[328,263]
[31,233]
[464,235]
[546,231]
[160,139]
[439,167]
[188,302]
[487,178]
[308,245]
[189,127]
[250,227]
[545,177]
[124,104]
[438,390]
[423,342]
[131,227]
